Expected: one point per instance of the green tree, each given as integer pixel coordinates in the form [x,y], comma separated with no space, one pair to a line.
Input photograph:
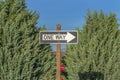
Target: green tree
[96,56]
[22,57]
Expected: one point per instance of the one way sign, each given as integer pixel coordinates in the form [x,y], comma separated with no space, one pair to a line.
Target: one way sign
[47,37]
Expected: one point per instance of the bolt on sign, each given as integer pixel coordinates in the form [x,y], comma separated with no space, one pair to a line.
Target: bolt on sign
[47,37]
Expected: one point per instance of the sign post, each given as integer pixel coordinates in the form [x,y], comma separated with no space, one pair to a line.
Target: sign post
[58,47]
[58,37]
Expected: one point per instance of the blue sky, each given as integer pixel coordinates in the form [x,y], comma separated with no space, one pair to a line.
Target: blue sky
[69,13]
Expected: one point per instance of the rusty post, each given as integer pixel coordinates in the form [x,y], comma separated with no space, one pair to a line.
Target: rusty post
[58,47]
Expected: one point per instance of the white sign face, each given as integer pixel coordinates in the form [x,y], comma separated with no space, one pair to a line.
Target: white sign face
[47,37]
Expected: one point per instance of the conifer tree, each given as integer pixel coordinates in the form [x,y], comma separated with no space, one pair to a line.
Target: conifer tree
[22,57]
[96,56]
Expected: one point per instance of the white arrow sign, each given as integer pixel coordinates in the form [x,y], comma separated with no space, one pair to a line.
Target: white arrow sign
[69,37]
[55,37]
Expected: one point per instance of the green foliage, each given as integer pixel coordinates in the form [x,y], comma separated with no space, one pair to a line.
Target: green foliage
[21,55]
[97,54]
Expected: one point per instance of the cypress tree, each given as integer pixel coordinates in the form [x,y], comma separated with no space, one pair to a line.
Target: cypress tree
[21,55]
[96,56]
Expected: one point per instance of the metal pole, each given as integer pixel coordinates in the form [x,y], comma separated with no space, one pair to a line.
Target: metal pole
[58,47]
